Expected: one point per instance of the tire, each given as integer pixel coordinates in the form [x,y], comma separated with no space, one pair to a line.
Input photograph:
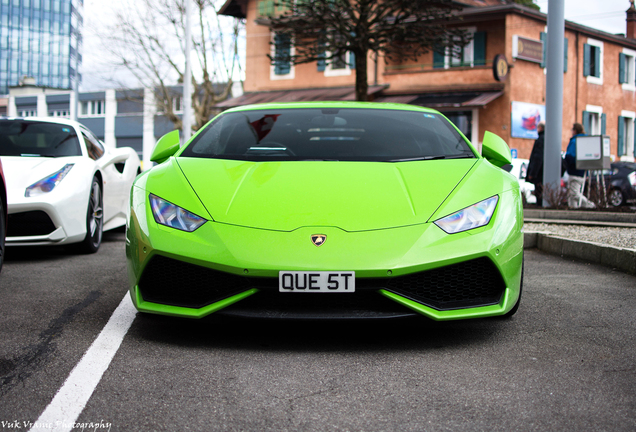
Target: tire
[94,219]
[3,233]
[616,198]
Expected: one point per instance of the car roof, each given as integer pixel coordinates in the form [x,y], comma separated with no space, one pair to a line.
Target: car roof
[333,104]
[624,164]
[54,120]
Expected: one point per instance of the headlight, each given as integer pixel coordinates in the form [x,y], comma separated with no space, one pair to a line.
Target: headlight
[168,214]
[471,217]
[47,184]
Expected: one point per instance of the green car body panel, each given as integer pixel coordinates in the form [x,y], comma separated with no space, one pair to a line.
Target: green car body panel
[377,216]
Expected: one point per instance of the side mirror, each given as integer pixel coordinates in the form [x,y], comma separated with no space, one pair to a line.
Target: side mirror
[165,147]
[495,150]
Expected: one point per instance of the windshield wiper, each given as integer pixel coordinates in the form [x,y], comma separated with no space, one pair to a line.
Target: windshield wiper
[461,156]
[418,158]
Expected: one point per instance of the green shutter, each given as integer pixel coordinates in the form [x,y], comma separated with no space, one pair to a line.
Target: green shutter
[479,48]
[586,59]
[622,59]
[597,62]
[544,39]
[438,60]
[565,55]
[352,56]
[322,63]
[621,136]
[266,7]
[634,132]
[603,123]
[587,121]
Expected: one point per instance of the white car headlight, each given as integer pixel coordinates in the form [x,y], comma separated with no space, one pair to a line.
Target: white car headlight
[173,216]
[47,184]
[469,218]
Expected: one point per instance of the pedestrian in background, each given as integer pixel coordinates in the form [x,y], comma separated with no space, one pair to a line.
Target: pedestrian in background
[575,176]
[534,174]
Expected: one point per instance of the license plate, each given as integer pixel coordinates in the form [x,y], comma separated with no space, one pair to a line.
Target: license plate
[317,282]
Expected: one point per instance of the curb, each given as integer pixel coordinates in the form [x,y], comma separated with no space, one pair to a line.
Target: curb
[579,215]
[596,253]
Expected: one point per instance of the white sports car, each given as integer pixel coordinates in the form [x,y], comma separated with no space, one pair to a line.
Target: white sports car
[519,169]
[63,184]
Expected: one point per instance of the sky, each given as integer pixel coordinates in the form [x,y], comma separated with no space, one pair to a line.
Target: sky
[606,15]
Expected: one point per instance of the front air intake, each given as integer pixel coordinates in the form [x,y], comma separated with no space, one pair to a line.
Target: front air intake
[469,284]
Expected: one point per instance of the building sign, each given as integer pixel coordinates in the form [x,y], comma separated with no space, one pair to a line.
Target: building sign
[527,49]
[500,67]
[525,119]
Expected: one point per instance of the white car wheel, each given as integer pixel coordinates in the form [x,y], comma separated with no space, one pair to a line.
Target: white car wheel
[94,219]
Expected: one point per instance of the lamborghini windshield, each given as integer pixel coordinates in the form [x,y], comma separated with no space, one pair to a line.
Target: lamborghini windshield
[37,139]
[347,134]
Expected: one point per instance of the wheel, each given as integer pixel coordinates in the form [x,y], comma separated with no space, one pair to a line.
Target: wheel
[2,233]
[94,219]
[616,197]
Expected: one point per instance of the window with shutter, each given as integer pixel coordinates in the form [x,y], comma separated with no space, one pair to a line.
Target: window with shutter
[593,61]
[621,136]
[282,54]
[282,48]
[626,69]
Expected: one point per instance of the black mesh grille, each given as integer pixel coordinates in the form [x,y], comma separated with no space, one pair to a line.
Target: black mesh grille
[31,223]
[363,304]
[176,283]
[468,284]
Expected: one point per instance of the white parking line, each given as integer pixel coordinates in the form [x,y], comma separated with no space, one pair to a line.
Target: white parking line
[71,398]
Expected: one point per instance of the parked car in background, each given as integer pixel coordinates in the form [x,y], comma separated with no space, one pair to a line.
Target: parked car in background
[519,168]
[63,185]
[3,215]
[620,182]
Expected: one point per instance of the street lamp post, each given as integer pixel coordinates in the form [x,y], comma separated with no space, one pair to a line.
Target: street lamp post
[187,78]
[553,98]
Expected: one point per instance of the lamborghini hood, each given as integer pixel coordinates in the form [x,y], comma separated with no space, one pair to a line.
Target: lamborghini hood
[353,196]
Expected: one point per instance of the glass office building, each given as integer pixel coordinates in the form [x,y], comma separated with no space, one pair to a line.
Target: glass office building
[40,39]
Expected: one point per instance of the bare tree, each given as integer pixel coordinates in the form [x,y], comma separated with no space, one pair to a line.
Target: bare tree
[327,30]
[147,39]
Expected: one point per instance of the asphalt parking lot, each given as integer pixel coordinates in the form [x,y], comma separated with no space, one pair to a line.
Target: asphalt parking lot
[566,361]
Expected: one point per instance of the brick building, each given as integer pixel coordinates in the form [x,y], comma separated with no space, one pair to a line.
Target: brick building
[599,75]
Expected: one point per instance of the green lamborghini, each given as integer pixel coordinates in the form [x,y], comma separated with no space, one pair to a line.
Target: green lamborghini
[327,210]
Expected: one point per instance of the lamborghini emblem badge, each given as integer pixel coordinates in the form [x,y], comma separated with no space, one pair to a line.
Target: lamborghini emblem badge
[318,239]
